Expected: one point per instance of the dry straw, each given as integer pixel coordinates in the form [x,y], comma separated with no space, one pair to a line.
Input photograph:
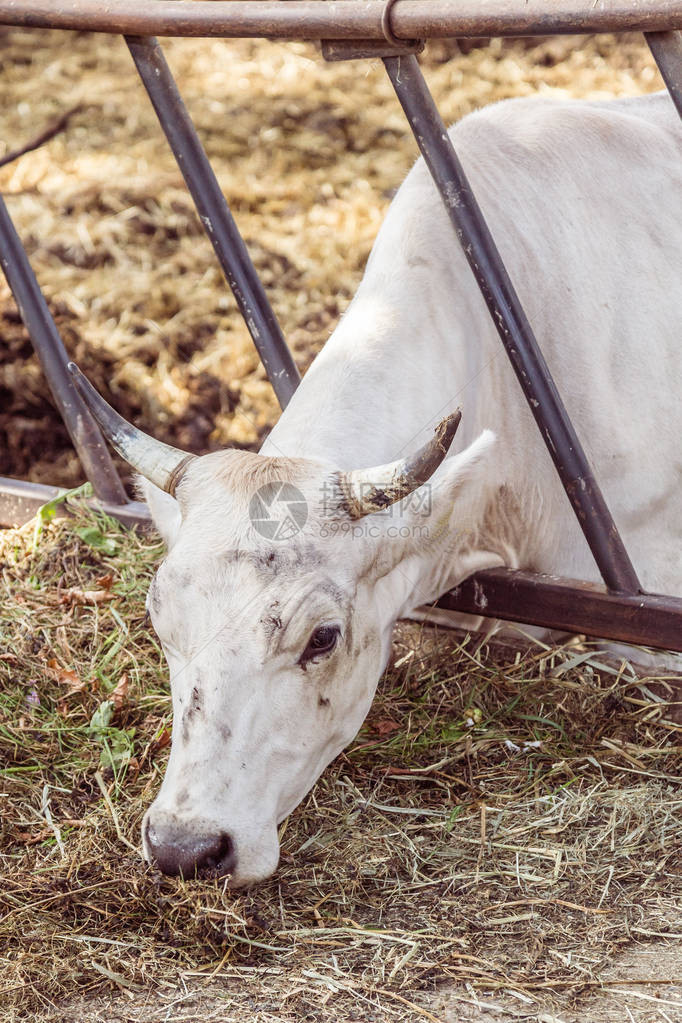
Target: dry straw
[308,155]
[507,818]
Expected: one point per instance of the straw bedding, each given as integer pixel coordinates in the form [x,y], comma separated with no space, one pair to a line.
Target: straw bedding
[308,155]
[508,819]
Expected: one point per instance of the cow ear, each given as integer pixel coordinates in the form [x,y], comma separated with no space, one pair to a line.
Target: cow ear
[452,502]
[164,509]
[444,512]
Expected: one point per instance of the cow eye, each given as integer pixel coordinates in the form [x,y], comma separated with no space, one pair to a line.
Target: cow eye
[322,641]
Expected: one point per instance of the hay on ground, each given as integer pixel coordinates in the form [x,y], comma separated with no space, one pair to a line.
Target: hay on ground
[507,818]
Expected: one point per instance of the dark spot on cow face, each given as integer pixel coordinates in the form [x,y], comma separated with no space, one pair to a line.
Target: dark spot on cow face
[269,559]
[177,578]
[182,798]
[322,701]
[225,733]
[195,703]
[272,622]
[194,709]
[366,640]
[333,591]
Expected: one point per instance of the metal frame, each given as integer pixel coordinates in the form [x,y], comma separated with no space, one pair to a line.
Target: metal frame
[49,348]
[350,19]
[391,30]
[216,217]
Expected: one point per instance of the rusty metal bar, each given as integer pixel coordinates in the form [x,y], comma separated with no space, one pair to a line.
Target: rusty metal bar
[48,345]
[216,217]
[20,501]
[666,48]
[570,606]
[512,325]
[351,19]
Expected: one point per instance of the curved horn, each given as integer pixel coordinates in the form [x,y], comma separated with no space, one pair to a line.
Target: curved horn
[369,490]
[160,463]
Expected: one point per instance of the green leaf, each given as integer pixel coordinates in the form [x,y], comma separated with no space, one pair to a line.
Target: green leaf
[96,539]
[450,822]
[48,510]
[452,733]
[101,719]
[117,748]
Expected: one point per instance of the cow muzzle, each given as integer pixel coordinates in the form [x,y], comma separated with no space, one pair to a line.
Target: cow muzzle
[189,850]
[200,848]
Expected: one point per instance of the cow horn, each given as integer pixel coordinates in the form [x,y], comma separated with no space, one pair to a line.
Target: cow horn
[160,463]
[369,490]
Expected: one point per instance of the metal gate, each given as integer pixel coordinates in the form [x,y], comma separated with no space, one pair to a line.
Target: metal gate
[393,30]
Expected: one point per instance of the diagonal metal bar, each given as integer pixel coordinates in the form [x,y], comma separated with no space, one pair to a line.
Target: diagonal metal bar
[216,216]
[83,429]
[666,48]
[512,325]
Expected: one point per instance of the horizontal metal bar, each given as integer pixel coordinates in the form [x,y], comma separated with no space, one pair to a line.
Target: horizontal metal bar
[350,19]
[570,606]
[20,501]
[216,217]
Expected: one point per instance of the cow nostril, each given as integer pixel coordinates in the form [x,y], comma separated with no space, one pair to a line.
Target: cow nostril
[190,853]
[218,860]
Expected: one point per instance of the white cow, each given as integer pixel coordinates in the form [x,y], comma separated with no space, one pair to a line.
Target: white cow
[275,643]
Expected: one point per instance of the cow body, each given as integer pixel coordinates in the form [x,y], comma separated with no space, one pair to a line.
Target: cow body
[584,201]
[275,647]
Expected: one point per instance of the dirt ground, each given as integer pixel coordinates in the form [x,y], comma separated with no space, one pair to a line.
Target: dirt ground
[619,1000]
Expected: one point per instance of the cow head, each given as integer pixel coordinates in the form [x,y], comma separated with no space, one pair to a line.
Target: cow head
[274,607]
